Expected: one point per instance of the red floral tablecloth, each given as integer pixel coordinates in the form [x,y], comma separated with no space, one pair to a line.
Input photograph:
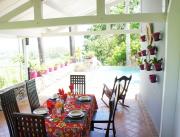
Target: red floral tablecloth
[58,127]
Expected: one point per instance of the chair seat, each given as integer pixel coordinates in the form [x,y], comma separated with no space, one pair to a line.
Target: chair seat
[101,117]
[96,134]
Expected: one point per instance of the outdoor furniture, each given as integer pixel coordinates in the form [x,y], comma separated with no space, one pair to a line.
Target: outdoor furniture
[124,84]
[32,94]
[112,108]
[125,80]
[29,125]
[103,116]
[79,82]
[9,105]
[64,125]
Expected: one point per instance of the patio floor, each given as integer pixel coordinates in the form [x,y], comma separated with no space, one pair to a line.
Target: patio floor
[130,122]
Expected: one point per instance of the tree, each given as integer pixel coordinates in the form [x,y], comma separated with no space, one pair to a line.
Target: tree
[111,50]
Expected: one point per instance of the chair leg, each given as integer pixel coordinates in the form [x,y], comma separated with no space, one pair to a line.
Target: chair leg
[92,126]
[124,104]
[114,130]
[104,102]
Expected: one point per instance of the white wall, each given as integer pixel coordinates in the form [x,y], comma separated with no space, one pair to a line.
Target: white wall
[171,102]
[151,93]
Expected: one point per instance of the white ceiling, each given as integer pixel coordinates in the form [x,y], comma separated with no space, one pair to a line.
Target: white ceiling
[51,9]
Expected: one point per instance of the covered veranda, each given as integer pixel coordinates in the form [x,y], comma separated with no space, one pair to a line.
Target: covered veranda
[160,99]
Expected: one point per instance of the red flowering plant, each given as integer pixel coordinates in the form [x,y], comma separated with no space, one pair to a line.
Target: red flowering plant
[61,94]
[71,87]
[50,105]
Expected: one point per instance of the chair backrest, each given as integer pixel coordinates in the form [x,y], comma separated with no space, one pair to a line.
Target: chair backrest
[112,108]
[124,85]
[79,82]
[29,125]
[9,105]
[32,94]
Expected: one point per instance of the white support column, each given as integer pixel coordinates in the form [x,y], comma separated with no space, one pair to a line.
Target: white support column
[108,26]
[128,39]
[100,7]
[37,10]
[25,54]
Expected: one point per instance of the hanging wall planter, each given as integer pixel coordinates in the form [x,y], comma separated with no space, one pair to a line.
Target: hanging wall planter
[139,53]
[157,66]
[156,36]
[153,78]
[141,67]
[152,49]
[143,38]
[148,66]
[157,63]
[143,52]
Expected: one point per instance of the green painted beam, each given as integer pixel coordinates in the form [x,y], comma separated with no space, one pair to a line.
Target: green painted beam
[16,11]
[141,17]
[100,7]
[37,9]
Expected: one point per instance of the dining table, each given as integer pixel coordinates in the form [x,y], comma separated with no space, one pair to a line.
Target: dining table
[61,125]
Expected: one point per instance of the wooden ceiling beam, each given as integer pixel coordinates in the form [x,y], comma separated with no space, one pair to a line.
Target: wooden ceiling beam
[16,11]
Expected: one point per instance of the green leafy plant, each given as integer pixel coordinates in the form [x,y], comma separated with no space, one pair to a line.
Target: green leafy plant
[2,82]
[149,46]
[139,61]
[156,61]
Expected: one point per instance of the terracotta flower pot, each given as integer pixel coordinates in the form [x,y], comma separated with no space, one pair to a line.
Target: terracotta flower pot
[33,74]
[148,66]
[141,66]
[61,65]
[39,74]
[152,50]
[157,66]
[50,69]
[143,52]
[55,67]
[45,71]
[156,36]
[143,38]
[153,78]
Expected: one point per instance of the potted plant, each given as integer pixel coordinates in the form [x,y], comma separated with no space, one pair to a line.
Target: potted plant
[152,49]
[139,53]
[32,69]
[56,66]
[41,70]
[147,65]
[153,78]
[157,63]
[140,63]
[143,38]
[143,52]
[156,36]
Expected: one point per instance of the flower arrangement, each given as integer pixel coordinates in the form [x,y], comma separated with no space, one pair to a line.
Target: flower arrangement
[61,94]
[71,87]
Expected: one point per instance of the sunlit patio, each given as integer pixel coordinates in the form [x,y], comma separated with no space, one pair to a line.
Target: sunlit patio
[128,120]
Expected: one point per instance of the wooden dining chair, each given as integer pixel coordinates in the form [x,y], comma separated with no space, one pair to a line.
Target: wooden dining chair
[112,109]
[9,105]
[102,116]
[124,84]
[79,82]
[29,125]
[32,94]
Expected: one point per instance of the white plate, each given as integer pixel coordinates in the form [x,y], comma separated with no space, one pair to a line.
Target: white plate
[41,111]
[76,113]
[84,98]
